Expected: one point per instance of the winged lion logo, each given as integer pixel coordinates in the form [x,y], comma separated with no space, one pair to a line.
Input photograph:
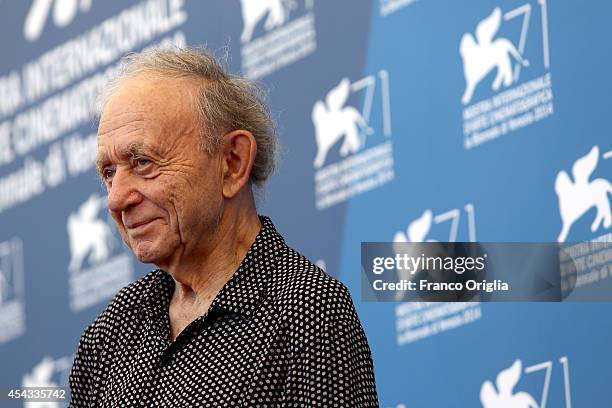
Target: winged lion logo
[333,120]
[503,396]
[580,195]
[483,54]
[88,234]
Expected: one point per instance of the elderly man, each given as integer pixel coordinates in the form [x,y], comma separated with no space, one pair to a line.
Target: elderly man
[233,316]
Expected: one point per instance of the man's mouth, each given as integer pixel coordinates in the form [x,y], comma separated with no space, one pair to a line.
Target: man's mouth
[139,224]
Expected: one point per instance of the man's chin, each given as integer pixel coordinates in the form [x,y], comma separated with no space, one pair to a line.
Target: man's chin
[146,259]
[146,253]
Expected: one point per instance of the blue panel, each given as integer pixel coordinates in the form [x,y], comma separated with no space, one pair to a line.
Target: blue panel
[398,120]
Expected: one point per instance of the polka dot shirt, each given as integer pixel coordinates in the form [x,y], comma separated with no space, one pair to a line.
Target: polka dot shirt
[280,333]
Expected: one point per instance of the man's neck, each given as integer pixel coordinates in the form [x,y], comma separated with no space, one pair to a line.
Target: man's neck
[200,278]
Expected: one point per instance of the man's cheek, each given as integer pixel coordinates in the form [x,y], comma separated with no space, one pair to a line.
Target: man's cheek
[124,236]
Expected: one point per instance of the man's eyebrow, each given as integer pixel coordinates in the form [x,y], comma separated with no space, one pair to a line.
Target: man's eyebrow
[135,149]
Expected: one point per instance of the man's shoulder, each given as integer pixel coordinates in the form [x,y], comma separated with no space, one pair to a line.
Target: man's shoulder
[120,313]
[301,285]
[129,294]
[128,300]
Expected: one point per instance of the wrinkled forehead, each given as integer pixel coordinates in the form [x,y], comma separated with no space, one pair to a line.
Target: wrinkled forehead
[153,112]
[157,100]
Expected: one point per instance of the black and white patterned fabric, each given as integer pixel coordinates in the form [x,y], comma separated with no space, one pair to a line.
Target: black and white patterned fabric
[280,333]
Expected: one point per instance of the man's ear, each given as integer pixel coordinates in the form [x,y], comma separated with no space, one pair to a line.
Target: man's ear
[238,155]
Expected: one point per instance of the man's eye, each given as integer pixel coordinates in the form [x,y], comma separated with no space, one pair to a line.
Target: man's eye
[140,162]
[107,174]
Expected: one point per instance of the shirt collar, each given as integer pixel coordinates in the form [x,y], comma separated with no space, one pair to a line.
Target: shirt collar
[245,290]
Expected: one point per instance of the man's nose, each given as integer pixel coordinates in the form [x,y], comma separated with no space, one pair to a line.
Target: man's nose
[123,192]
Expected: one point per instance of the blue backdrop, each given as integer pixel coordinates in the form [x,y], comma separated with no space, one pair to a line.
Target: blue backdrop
[405,120]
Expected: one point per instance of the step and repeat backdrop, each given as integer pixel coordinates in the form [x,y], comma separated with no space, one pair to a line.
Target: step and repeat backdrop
[400,120]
